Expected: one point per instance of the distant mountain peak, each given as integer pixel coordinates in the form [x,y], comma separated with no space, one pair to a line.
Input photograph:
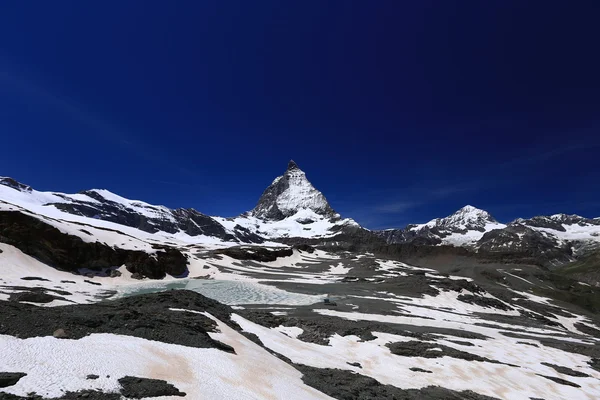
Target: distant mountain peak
[470,213]
[289,194]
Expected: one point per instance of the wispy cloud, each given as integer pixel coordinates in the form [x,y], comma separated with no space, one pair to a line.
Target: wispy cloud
[394,208]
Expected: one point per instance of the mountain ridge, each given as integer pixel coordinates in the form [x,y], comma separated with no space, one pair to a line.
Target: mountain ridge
[292,208]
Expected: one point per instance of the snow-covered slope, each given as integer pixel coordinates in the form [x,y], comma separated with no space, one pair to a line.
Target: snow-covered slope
[101,216]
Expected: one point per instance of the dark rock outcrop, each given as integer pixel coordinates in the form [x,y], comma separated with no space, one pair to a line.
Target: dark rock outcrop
[260,254]
[347,385]
[139,388]
[10,378]
[147,316]
[70,253]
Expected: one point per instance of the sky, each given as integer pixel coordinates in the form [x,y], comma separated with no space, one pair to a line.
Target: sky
[399,112]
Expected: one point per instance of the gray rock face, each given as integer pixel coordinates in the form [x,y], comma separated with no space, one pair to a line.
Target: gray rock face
[290,193]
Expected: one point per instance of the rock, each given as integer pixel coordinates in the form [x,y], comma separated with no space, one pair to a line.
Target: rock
[10,378]
[260,254]
[92,376]
[137,388]
[560,380]
[68,252]
[566,371]
[422,349]
[115,273]
[347,385]
[330,303]
[33,297]
[34,278]
[147,316]
[60,334]
[137,275]
[304,247]
[483,301]
[416,369]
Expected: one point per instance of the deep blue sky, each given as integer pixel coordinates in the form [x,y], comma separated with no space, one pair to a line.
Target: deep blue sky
[398,111]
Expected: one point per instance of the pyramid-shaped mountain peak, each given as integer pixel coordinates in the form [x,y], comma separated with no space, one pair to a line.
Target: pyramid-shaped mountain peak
[290,194]
[292,165]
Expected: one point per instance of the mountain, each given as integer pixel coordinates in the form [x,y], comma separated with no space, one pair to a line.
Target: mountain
[463,228]
[556,239]
[550,240]
[97,207]
[291,207]
[289,194]
[292,210]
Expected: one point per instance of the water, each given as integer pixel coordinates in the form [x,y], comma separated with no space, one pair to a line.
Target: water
[234,292]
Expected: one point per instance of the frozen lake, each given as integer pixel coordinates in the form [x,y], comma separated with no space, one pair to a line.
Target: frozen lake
[231,292]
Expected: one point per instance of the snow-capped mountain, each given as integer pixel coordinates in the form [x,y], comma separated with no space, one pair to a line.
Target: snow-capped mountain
[291,207]
[464,227]
[289,194]
[559,238]
[102,209]
[552,240]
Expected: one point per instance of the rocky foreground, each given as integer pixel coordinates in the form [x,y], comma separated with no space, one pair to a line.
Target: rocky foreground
[177,317]
[306,324]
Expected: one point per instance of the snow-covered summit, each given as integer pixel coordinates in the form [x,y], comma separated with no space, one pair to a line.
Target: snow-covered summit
[289,194]
[464,227]
[468,217]
[291,207]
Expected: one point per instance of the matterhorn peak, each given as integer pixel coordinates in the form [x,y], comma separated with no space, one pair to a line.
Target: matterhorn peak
[292,165]
[289,194]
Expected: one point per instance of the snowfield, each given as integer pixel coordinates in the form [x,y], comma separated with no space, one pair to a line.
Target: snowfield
[54,366]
